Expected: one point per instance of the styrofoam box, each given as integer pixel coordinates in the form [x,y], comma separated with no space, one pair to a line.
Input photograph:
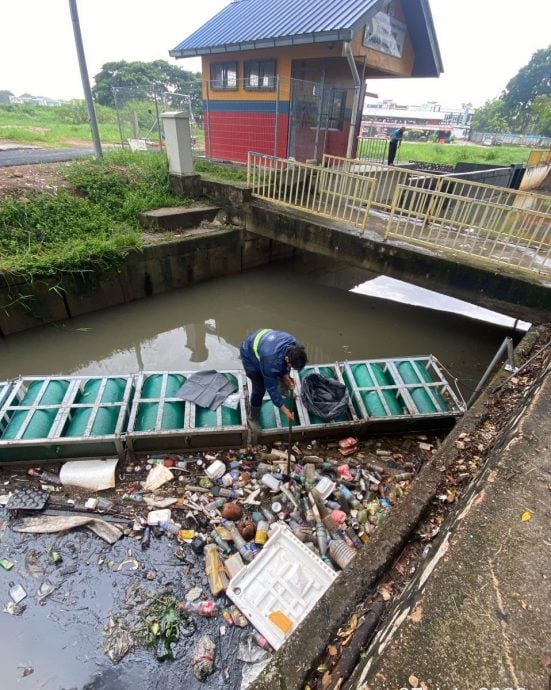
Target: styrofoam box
[287,577]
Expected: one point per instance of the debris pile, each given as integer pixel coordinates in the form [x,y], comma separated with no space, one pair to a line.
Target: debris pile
[217,511]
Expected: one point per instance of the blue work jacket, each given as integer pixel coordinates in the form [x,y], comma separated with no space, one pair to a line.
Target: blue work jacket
[272,349]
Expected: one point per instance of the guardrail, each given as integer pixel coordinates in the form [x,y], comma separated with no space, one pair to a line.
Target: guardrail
[335,194]
[496,224]
[495,233]
[387,178]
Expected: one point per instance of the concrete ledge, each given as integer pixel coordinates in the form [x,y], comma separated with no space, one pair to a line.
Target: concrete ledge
[178,217]
[514,295]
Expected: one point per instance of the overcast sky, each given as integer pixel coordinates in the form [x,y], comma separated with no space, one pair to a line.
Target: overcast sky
[483,44]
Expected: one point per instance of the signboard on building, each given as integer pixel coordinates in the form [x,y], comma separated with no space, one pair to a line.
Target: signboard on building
[385,34]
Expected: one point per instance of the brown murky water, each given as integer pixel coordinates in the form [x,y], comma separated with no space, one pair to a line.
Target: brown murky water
[201,327]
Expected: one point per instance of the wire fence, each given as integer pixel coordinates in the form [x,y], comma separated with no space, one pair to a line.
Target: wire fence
[282,117]
[139,111]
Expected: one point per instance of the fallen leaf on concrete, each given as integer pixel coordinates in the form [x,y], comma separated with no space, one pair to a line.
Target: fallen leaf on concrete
[546,660]
[413,681]
[416,615]
[386,592]
[346,633]
[527,515]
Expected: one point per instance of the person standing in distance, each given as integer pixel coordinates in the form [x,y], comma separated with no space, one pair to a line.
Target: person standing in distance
[268,357]
[395,141]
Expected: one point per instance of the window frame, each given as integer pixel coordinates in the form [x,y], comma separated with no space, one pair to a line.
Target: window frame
[335,121]
[225,66]
[261,74]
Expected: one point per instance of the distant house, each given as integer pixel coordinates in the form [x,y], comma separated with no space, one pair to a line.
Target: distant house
[288,77]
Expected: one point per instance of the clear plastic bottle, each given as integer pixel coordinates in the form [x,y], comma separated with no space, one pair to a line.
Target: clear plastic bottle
[207,609]
[170,527]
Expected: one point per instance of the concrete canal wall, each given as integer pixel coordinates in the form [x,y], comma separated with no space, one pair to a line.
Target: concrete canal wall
[195,257]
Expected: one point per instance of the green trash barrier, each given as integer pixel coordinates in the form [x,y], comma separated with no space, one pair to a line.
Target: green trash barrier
[39,426]
[105,422]
[420,396]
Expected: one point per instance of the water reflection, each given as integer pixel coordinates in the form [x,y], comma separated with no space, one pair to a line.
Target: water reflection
[201,327]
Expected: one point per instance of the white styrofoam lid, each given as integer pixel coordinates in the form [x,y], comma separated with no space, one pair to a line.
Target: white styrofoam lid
[286,577]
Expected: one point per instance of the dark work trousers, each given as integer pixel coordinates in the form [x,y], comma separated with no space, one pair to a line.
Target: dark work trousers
[258,387]
[392,148]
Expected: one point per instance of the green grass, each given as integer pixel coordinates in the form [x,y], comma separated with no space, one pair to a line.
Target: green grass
[221,171]
[450,154]
[52,126]
[91,226]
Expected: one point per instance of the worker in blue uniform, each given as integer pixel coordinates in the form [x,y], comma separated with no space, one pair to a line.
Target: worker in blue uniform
[395,141]
[268,357]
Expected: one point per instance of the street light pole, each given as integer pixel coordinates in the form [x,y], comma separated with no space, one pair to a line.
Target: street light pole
[85,79]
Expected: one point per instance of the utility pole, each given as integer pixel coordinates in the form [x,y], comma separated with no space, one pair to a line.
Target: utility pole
[85,79]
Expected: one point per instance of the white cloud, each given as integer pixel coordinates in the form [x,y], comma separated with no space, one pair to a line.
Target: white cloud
[483,43]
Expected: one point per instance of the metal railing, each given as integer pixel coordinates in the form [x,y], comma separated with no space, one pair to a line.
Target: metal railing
[493,232]
[335,194]
[387,178]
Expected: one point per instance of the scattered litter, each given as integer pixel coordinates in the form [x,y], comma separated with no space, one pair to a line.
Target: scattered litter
[14,609]
[94,475]
[48,525]
[286,561]
[194,594]
[27,498]
[45,589]
[6,564]
[158,475]
[17,593]
[203,657]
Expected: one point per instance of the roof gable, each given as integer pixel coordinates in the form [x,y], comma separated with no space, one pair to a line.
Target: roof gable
[253,24]
[257,23]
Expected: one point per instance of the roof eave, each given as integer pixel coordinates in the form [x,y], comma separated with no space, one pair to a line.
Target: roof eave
[278,42]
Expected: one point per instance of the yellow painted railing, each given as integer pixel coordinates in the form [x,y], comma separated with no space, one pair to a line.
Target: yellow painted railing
[387,178]
[539,157]
[335,194]
[494,233]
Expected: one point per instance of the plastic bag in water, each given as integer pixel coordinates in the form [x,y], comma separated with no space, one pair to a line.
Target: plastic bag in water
[325,398]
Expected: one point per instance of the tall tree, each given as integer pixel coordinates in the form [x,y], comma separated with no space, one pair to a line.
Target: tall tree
[142,80]
[490,117]
[520,107]
[531,81]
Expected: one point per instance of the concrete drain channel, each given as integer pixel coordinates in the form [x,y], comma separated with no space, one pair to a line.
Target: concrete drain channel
[369,495]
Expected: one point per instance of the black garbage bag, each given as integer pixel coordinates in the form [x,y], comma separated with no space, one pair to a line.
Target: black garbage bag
[325,398]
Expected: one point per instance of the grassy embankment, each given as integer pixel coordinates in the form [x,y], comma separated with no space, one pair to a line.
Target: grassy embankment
[67,125]
[450,154]
[90,226]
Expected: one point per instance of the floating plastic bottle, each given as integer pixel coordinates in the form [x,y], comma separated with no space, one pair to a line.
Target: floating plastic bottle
[207,609]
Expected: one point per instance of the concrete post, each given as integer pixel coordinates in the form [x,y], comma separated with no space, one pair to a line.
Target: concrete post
[178,142]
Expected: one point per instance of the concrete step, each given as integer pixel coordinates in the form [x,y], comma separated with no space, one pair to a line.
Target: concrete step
[178,217]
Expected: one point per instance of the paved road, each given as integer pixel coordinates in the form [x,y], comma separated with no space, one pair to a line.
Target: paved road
[31,156]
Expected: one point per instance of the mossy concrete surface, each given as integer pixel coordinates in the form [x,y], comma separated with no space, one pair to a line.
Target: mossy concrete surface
[478,613]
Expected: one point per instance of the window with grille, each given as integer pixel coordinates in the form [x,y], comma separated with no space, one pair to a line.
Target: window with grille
[223,75]
[260,74]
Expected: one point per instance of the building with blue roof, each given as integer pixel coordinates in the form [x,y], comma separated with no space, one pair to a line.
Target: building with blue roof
[288,77]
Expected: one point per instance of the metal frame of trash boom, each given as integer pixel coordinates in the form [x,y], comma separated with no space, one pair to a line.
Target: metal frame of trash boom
[360,421]
[55,445]
[128,439]
[5,388]
[189,436]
